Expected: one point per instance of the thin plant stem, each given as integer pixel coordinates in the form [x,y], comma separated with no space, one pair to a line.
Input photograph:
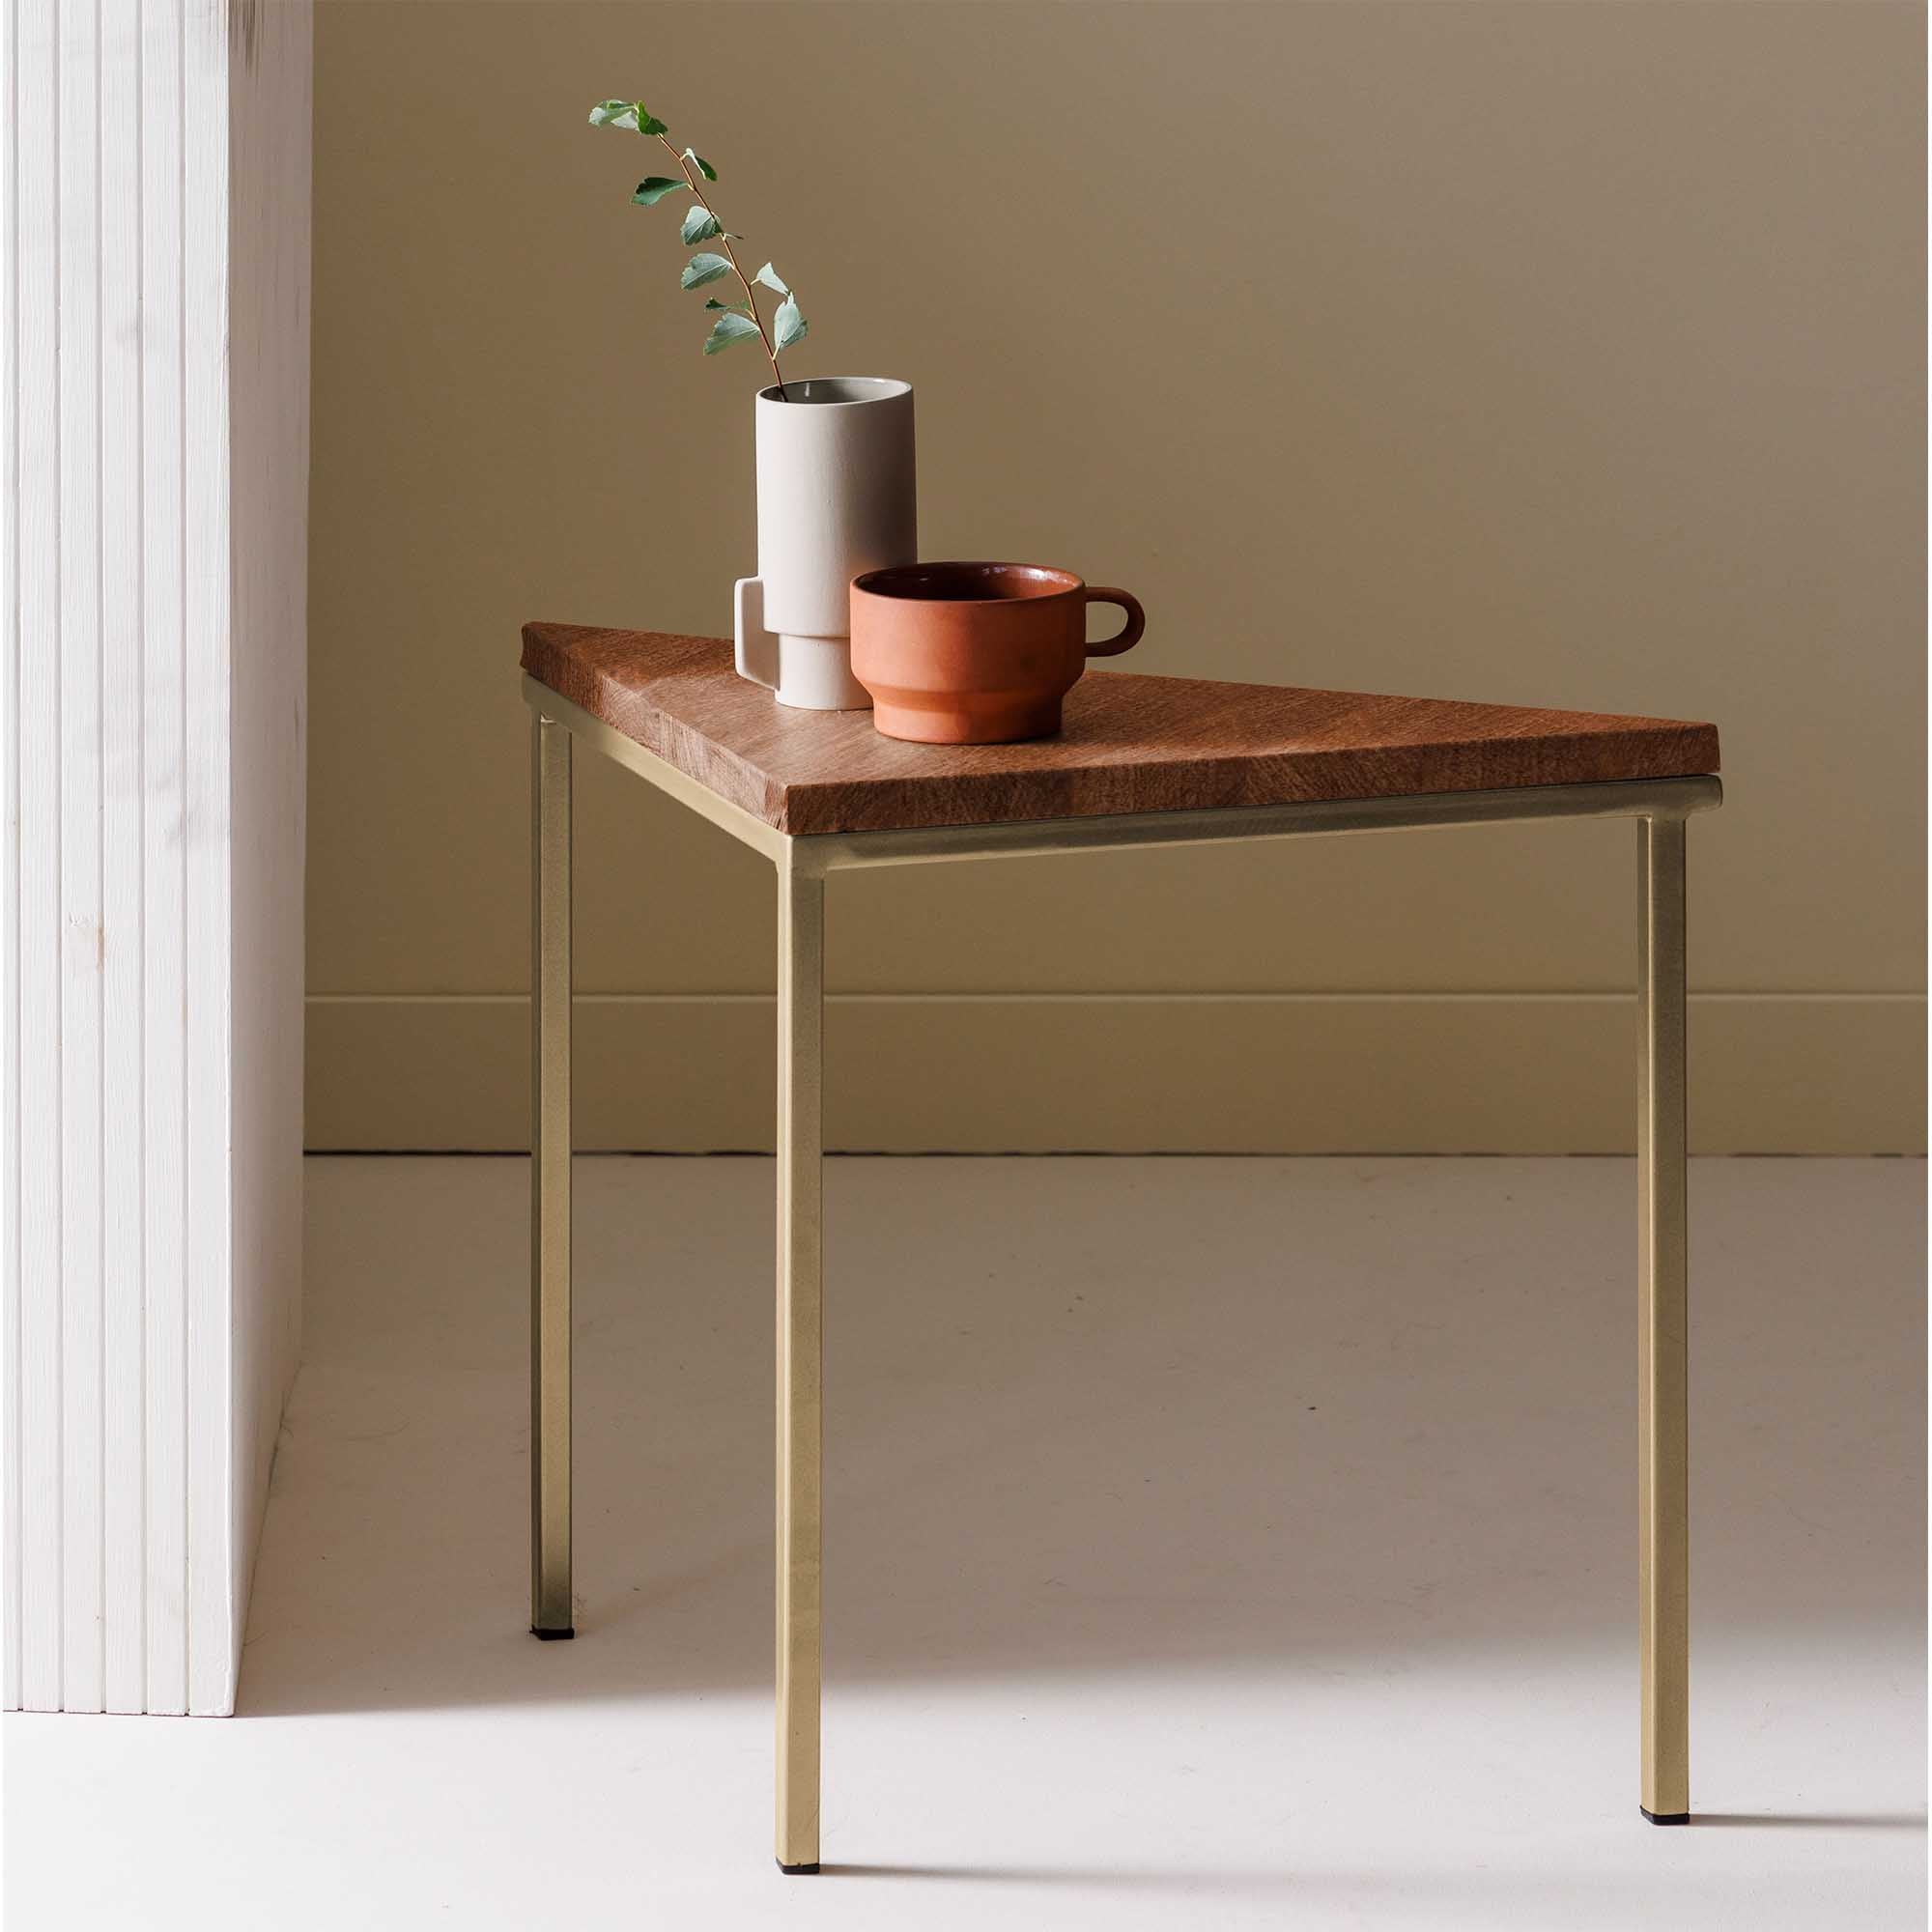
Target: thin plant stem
[731,256]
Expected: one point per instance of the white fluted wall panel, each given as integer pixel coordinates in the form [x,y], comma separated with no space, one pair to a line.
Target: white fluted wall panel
[157,347]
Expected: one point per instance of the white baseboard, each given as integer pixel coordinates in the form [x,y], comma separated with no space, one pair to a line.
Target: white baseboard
[1265,1073]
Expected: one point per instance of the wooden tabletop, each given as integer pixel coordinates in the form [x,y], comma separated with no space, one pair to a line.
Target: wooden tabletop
[1130,743]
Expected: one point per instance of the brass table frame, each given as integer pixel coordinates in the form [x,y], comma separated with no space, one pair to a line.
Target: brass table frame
[1659,806]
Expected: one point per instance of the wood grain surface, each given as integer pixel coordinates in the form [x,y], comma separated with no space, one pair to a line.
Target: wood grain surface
[1129,744]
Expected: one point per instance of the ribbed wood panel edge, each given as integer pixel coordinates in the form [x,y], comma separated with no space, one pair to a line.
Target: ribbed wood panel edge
[1282,1074]
[150,1284]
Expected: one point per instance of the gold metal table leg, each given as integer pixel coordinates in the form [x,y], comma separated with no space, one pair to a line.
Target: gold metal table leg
[800,1068]
[1663,1498]
[550,1179]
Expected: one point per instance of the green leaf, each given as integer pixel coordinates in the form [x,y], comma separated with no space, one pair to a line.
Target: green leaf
[699,225]
[788,326]
[703,268]
[769,275]
[631,114]
[702,166]
[653,189]
[728,329]
[712,301]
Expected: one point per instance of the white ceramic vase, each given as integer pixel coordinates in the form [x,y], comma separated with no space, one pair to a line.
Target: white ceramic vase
[838,495]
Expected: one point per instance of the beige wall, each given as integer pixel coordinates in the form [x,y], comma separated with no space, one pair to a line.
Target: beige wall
[1558,354]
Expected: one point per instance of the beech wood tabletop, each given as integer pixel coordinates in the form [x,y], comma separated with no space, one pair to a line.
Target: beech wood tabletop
[1130,742]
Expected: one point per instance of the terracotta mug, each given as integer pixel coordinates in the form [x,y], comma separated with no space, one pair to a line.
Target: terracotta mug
[976,653]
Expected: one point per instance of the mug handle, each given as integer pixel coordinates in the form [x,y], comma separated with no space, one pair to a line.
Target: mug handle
[756,648]
[1112,648]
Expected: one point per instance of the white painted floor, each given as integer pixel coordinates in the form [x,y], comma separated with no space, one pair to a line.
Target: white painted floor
[1212,1543]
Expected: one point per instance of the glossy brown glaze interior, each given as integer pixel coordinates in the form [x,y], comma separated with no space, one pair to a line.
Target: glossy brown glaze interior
[967,583]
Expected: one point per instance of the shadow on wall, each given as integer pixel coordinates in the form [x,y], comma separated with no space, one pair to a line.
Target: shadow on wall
[1083,1416]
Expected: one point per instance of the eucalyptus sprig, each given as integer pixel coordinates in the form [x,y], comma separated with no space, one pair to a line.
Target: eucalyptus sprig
[736,321]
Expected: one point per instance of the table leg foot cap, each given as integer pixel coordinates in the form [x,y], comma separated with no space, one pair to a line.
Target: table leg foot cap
[551,1637]
[1666,1817]
[794,1870]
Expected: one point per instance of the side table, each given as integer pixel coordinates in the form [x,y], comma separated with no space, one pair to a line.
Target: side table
[1142,762]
